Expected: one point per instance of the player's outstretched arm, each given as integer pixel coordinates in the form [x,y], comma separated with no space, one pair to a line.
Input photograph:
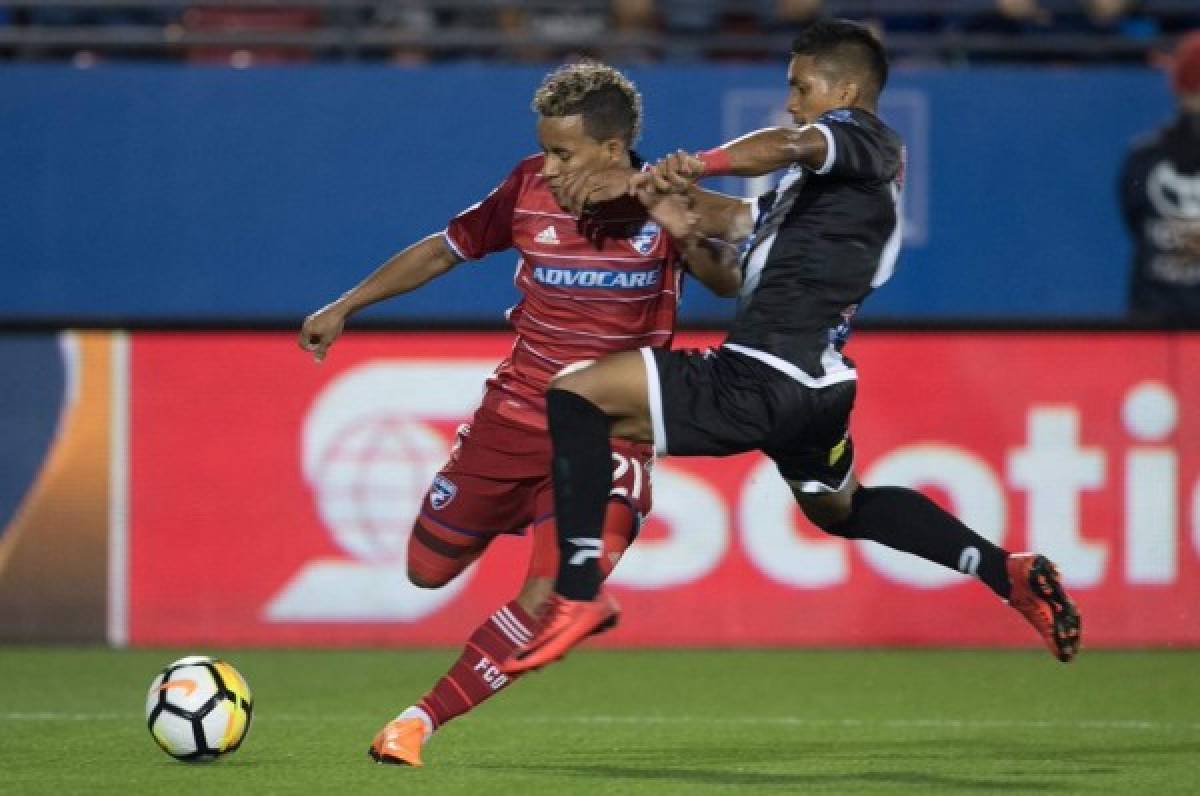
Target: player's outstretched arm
[766,150]
[408,270]
[715,263]
[721,216]
[718,215]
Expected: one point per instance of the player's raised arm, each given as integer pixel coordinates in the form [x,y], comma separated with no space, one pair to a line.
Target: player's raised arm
[767,150]
[405,271]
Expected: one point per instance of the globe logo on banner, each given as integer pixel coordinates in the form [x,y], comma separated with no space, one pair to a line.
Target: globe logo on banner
[369,479]
[370,451]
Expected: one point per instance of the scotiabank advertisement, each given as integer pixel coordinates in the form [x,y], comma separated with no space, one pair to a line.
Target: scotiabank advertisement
[271,498]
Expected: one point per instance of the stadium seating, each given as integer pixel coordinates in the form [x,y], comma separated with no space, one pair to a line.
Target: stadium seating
[265,31]
[245,22]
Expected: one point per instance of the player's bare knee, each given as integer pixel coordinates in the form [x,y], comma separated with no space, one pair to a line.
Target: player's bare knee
[534,593]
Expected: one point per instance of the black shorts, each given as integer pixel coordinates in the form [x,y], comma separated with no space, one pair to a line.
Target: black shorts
[720,402]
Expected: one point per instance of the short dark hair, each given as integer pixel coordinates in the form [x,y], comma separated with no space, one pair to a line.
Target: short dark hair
[608,101]
[846,46]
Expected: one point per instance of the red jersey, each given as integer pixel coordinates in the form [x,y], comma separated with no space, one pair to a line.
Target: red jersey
[583,295]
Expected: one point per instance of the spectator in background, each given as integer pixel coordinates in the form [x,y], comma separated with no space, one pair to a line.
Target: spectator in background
[574,29]
[930,17]
[1174,17]
[689,17]
[1062,32]
[459,22]
[84,17]
[1117,17]
[406,19]
[544,33]
[631,21]
[262,20]
[1008,31]
[1119,30]
[1111,19]
[791,16]
[905,27]
[1012,17]
[687,23]
[743,24]
[1160,200]
[5,20]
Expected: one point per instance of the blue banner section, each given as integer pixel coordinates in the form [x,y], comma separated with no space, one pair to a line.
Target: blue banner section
[33,387]
[213,194]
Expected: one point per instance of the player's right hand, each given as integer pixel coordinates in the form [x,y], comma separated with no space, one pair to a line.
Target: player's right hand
[673,213]
[320,330]
[677,172]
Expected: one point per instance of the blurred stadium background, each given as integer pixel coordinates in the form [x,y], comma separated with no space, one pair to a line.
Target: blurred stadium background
[183,182]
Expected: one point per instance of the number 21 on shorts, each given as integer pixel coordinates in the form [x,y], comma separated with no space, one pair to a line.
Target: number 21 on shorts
[622,465]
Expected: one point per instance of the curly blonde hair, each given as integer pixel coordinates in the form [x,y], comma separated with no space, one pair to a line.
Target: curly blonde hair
[609,102]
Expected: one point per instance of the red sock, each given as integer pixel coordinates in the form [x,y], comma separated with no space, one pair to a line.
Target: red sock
[476,676]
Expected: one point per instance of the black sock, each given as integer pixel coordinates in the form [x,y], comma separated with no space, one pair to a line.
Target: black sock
[582,471]
[908,521]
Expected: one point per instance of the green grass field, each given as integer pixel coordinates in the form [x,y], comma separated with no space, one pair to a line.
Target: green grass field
[632,722]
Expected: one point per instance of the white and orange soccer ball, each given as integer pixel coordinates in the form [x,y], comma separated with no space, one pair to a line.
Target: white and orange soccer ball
[199,708]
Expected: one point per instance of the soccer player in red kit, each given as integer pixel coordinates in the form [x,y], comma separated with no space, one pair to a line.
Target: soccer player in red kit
[610,282]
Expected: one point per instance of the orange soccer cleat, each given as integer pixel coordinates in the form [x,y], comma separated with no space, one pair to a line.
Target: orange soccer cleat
[399,743]
[565,624]
[1038,596]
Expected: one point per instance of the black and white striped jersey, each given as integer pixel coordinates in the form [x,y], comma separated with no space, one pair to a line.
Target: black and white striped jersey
[823,240]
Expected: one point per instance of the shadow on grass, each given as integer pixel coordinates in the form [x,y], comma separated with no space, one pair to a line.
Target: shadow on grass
[751,779]
[906,764]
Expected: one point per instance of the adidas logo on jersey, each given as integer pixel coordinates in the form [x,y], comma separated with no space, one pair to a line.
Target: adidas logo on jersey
[547,236]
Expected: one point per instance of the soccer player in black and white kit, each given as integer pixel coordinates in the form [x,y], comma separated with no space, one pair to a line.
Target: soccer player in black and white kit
[817,246]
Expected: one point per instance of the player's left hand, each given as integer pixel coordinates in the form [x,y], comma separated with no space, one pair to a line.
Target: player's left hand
[320,330]
[672,212]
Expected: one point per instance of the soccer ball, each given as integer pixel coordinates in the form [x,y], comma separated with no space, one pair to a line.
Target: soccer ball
[199,708]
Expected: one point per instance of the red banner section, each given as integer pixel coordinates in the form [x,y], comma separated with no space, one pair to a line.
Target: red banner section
[272,497]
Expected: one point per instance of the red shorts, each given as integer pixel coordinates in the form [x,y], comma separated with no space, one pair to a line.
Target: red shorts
[497,481]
